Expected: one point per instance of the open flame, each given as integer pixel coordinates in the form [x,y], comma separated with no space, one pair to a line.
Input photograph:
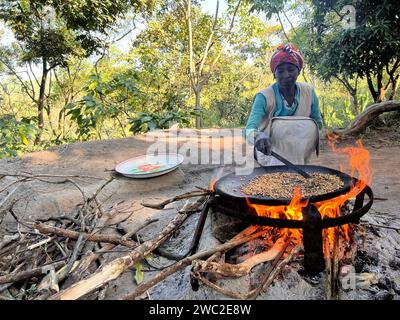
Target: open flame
[291,212]
[358,159]
[217,174]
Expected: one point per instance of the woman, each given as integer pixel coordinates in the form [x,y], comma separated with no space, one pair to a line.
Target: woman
[285,116]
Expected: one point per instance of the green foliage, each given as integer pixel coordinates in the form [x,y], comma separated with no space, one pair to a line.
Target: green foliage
[16,135]
[270,7]
[139,274]
[147,121]
[370,49]
[112,95]
[53,29]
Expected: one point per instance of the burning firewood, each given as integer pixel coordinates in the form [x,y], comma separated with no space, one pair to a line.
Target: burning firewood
[271,275]
[241,269]
[245,236]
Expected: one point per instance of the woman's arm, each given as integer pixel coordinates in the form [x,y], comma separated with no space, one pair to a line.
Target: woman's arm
[258,111]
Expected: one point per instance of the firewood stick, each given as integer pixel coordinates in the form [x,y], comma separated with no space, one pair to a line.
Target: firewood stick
[251,294]
[144,286]
[116,267]
[32,175]
[328,267]
[8,239]
[229,293]
[352,252]
[256,291]
[281,265]
[60,275]
[138,228]
[46,229]
[240,269]
[14,277]
[246,232]
[8,196]
[40,243]
[335,263]
[161,205]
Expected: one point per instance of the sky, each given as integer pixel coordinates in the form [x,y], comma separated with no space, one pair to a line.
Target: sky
[210,5]
[124,45]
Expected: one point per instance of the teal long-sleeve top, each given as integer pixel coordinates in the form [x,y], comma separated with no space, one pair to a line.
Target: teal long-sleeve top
[258,110]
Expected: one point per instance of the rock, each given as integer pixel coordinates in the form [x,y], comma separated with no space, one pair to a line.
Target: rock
[384,283]
[383,295]
[224,227]
[177,246]
[395,263]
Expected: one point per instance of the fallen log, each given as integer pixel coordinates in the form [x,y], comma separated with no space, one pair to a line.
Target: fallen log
[364,118]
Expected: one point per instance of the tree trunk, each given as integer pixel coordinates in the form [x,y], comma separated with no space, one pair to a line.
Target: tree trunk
[41,101]
[367,116]
[381,90]
[356,105]
[352,90]
[198,110]
[395,86]
[371,88]
[381,95]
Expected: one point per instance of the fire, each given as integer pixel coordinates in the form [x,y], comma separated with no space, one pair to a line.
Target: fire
[358,159]
[217,174]
[291,212]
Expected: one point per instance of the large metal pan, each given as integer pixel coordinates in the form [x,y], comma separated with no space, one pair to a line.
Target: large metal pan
[228,187]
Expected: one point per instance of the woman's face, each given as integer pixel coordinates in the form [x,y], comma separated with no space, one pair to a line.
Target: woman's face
[286,74]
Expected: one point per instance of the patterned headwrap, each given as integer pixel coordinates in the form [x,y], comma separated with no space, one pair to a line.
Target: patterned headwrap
[286,53]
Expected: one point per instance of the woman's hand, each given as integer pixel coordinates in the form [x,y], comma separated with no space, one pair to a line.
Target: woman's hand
[263,144]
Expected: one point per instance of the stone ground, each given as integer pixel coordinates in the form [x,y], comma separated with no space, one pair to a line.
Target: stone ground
[379,253]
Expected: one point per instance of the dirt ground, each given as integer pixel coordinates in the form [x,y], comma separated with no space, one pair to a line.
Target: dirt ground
[90,164]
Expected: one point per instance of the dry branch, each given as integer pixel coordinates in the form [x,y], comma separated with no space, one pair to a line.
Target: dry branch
[116,267]
[241,269]
[328,267]
[364,118]
[33,176]
[335,263]
[46,229]
[17,276]
[144,286]
[275,270]
[8,239]
[161,205]
[139,227]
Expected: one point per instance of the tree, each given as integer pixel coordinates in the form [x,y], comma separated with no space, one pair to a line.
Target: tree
[197,62]
[49,32]
[368,50]
[162,54]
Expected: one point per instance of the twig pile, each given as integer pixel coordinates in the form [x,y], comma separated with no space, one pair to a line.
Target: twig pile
[62,257]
